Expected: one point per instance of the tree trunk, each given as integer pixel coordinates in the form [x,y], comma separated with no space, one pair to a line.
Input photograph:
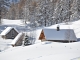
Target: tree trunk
[0,16]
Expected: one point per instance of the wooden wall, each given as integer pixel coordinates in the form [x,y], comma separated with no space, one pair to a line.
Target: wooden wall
[42,36]
[19,42]
[12,34]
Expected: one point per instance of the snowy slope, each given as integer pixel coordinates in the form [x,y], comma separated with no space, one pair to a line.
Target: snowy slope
[76,27]
[11,22]
[43,51]
[4,44]
[46,50]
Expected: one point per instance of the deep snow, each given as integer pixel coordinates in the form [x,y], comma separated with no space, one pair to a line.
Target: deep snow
[4,43]
[44,50]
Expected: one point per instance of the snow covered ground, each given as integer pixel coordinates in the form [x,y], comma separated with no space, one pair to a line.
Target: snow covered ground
[44,50]
[4,44]
[76,27]
[11,22]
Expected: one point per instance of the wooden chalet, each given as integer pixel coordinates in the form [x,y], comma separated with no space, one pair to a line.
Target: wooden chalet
[9,33]
[57,35]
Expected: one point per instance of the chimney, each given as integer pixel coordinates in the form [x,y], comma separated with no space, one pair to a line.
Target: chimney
[58,28]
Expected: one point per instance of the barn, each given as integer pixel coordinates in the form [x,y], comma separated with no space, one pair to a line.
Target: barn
[58,35]
[9,33]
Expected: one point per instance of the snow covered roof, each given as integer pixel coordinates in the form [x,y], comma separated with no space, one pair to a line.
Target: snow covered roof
[61,26]
[63,34]
[7,30]
[16,38]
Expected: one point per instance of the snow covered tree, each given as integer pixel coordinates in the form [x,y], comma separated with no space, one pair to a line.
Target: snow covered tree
[47,12]
[4,4]
[26,41]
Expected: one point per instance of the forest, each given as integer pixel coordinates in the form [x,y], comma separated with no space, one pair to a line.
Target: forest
[40,12]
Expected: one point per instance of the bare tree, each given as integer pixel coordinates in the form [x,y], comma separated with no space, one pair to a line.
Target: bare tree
[3,4]
[40,12]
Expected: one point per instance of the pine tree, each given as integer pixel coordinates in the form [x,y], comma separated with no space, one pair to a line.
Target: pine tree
[27,41]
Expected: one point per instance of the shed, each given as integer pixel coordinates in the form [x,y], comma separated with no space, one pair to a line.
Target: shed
[9,33]
[62,35]
[18,40]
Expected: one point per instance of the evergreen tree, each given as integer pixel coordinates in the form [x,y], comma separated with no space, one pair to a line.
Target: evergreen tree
[27,41]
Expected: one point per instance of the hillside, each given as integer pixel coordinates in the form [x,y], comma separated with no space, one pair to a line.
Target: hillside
[46,50]
[43,51]
[30,17]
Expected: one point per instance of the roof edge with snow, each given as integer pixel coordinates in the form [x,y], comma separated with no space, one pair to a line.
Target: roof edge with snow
[7,30]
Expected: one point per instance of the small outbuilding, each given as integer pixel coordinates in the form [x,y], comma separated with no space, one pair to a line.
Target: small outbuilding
[58,35]
[18,40]
[9,33]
